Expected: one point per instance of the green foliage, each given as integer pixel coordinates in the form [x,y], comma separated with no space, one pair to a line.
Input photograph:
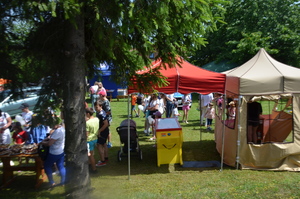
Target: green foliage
[251,25]
[122,33]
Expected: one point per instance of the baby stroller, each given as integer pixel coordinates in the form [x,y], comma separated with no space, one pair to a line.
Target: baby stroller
[134,142]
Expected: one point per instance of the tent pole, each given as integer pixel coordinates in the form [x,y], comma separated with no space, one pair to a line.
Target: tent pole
[128,135]
[200,111]
[223,119]
[239,134]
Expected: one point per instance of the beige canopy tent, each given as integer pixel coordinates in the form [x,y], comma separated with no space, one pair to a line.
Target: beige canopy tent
[262,78]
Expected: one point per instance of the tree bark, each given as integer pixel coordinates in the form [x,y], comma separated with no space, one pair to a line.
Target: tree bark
[78,180]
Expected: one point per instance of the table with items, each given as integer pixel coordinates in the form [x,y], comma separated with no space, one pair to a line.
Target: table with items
[7,153]
[169,140]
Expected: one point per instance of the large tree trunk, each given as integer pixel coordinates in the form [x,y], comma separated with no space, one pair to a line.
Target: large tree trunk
[78,180]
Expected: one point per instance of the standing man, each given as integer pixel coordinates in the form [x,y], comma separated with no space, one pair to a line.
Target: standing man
[27,116]
[204,102]
[170,104]
[254,114]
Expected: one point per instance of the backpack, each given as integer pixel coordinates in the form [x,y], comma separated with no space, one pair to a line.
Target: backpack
[43,151]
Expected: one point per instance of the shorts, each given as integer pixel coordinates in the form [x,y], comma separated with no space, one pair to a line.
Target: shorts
[186,107]
[132,107]
[92,144]
[103,137]
[209,121]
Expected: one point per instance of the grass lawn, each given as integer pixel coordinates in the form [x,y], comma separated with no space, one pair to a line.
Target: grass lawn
[147,180]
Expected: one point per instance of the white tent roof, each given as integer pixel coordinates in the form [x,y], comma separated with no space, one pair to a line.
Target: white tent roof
[263,75]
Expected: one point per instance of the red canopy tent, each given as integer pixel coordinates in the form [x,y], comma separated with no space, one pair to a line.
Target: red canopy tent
[187,79]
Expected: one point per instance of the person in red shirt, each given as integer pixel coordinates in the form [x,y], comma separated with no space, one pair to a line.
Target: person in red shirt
[20,136]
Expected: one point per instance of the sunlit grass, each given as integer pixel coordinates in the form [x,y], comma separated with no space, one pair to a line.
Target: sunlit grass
[147,180]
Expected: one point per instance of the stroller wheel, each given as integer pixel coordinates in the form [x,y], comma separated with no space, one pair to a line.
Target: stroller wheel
[119,156]
[140,154]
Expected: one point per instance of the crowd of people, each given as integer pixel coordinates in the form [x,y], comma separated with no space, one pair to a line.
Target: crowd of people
[97,127]
[167,105]
[31,129]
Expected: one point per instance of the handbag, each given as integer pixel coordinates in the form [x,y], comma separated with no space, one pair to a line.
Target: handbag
[43,151]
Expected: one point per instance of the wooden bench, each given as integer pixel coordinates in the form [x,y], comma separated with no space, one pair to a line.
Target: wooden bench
[121,97]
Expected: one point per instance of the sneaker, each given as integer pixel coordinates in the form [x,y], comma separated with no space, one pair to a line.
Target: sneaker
[137,115]
[109,145]
[100,164]
[55,173]
[186,122]
[145,131]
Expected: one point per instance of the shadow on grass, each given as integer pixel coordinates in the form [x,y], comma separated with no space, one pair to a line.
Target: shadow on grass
[22,186]
[192,151]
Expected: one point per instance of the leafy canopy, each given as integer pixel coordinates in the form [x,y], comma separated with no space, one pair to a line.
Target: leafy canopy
[251,25]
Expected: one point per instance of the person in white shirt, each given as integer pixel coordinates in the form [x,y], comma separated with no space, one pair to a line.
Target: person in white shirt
[151,108]
[27,116]
[204,102]
[5,136]
[161,107]
[175,112]
[94,93]
[186,101]
[5,122]
[56,143]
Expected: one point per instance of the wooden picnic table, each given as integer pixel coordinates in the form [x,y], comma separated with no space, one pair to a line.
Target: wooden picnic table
[8,170]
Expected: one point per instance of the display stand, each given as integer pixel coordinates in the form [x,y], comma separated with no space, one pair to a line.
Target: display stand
[169,141]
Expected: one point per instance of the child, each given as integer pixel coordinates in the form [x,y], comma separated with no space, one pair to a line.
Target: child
[133,103]
[139,102]
[210,115]
[102,134]
[151,119]
[19,136]
[175,112]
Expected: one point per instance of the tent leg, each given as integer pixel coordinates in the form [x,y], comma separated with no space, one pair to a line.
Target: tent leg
[128,136]
[200,111]
[223,130]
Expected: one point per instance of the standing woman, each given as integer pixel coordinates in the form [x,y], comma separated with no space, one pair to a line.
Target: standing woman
[56,143]
[186,101]
[5,122]
[152,107]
